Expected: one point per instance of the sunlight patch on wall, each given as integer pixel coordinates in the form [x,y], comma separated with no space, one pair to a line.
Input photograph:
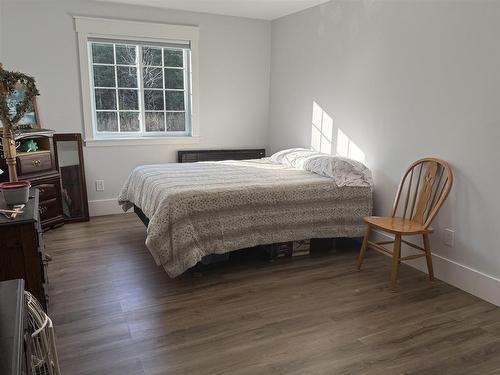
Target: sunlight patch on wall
[321,130]
[322,139]
[347,148]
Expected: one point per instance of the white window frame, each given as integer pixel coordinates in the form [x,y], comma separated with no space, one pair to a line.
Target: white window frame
[100,28]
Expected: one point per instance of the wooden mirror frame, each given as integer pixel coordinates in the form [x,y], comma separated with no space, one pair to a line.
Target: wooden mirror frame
[74,137]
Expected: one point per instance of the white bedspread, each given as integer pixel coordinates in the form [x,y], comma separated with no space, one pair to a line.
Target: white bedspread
[197,209]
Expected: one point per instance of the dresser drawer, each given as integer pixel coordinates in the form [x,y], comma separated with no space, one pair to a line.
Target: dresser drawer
[49,209]
[48,190]
[34,163]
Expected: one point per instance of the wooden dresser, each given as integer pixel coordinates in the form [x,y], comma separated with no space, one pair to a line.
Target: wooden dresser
[22,249]
[15,338]
[40,167]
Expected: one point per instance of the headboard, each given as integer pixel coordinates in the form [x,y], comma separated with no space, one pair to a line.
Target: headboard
[190,156]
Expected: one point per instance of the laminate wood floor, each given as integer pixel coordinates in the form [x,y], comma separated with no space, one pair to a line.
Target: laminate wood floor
[116,312]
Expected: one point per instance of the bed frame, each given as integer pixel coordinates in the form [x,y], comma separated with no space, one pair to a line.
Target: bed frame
[141,215]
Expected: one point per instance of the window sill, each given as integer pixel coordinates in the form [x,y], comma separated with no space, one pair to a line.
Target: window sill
[142,141]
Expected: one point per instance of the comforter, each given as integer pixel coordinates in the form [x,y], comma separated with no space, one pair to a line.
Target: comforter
[197,209]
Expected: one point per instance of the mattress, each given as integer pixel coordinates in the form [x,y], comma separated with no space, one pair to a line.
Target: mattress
[198,209]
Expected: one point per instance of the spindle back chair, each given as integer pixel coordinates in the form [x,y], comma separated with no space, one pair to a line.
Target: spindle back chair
[421,193]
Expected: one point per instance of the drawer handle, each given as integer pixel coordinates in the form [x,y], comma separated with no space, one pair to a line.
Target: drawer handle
[36,162]
[42,210]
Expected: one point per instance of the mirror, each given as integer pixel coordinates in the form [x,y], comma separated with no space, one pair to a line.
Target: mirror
[71,167]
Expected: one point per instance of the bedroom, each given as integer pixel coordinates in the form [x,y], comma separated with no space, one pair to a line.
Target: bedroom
[383,82]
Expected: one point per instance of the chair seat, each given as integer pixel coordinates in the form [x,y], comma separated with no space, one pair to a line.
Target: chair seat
[396,225]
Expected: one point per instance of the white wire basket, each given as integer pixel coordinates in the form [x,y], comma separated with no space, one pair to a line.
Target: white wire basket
[43,343]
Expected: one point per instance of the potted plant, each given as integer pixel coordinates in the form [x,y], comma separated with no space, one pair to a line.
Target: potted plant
[9,118]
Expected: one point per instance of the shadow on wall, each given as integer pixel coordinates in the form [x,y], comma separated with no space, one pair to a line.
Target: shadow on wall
[322,139]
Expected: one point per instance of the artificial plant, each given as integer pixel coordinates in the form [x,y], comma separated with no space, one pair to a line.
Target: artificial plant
[9,82]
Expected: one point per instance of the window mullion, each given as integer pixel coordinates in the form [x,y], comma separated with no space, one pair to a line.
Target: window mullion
[164,92]
[116,90]
[92,87]
[187,104]
[142,106]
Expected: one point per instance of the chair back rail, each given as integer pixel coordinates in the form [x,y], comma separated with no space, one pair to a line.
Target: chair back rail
[422,191]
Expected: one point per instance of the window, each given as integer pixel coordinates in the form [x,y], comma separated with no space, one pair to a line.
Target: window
[138,88]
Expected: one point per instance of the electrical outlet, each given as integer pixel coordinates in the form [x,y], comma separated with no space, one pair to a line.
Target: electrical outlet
[99,185]
[449,237]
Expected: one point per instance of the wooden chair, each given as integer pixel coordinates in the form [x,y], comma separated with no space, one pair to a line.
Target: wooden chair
[421,193]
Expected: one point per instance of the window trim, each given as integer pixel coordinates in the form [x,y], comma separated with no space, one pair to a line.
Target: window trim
[102,28]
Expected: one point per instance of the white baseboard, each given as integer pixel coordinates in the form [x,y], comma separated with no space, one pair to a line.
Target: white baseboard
[103,207]
[466,278]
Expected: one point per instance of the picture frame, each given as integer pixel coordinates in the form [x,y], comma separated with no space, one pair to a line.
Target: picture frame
[31,119]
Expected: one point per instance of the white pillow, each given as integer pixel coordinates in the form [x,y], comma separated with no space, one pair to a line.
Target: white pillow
[294,157]
[279,156]
[344,171]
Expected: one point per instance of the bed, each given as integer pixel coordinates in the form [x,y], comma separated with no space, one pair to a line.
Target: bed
[198,209]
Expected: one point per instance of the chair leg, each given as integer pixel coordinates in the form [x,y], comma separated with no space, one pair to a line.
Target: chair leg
[428,256]
[364,245]
[396,254]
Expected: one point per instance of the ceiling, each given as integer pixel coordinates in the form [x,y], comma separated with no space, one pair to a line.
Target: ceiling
[261,9]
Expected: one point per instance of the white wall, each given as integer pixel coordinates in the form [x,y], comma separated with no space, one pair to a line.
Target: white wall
[234,78]
[404,80]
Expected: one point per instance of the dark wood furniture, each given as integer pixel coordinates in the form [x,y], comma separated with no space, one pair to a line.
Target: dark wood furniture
[22,249]
[40,167]
[69,154]
[190,156]
[15,337]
